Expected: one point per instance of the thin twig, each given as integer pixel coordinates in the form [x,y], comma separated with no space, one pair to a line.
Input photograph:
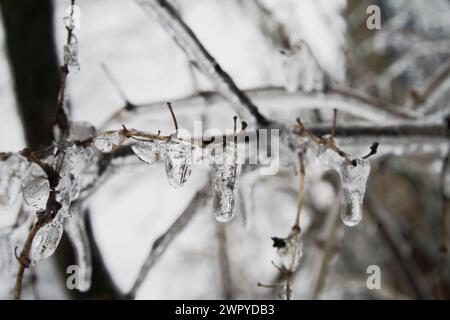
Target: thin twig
[170,19]
[174,118]
[333,128]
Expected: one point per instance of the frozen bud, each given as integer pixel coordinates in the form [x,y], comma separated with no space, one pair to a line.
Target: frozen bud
[290,252]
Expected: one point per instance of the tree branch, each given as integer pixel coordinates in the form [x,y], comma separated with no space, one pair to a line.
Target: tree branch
[170,19]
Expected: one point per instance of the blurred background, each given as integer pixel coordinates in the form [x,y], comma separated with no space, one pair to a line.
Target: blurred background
[126,57]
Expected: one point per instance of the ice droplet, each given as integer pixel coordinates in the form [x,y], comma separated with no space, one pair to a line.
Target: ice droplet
[178,162]
[109,141]
[36,188]
[301,69]
[47,239]
[12,169]
[225,172]
[354,180]
[147,152]
[77,234]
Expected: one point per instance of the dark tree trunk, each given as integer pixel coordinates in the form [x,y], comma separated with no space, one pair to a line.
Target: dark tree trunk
[31,50]
[34,66]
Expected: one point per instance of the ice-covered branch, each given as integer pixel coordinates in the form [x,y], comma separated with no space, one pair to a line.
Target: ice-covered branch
[199,56]
[269,99]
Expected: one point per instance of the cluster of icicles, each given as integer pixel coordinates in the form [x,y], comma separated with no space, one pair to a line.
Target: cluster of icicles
[26,183]
[179,158]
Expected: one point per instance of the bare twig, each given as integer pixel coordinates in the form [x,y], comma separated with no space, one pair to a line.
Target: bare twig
[174,118]
[333,128]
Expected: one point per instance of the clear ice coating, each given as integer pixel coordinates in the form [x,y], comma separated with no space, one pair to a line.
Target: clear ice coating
[301,69]
[76,160]
[147,152]
[12,169]
[76,232]
[225,172]
[47,239]
[178,163]
[36,188]
[71,55]
[109,141]
[354,180]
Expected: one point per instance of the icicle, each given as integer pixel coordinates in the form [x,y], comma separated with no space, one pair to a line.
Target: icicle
[225,172]
[354,180]
[147,152]
[71,55]
[301,69]
[77,234]
[36,188]
[109,141]
[178,162]
[47,239]
[12,169]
